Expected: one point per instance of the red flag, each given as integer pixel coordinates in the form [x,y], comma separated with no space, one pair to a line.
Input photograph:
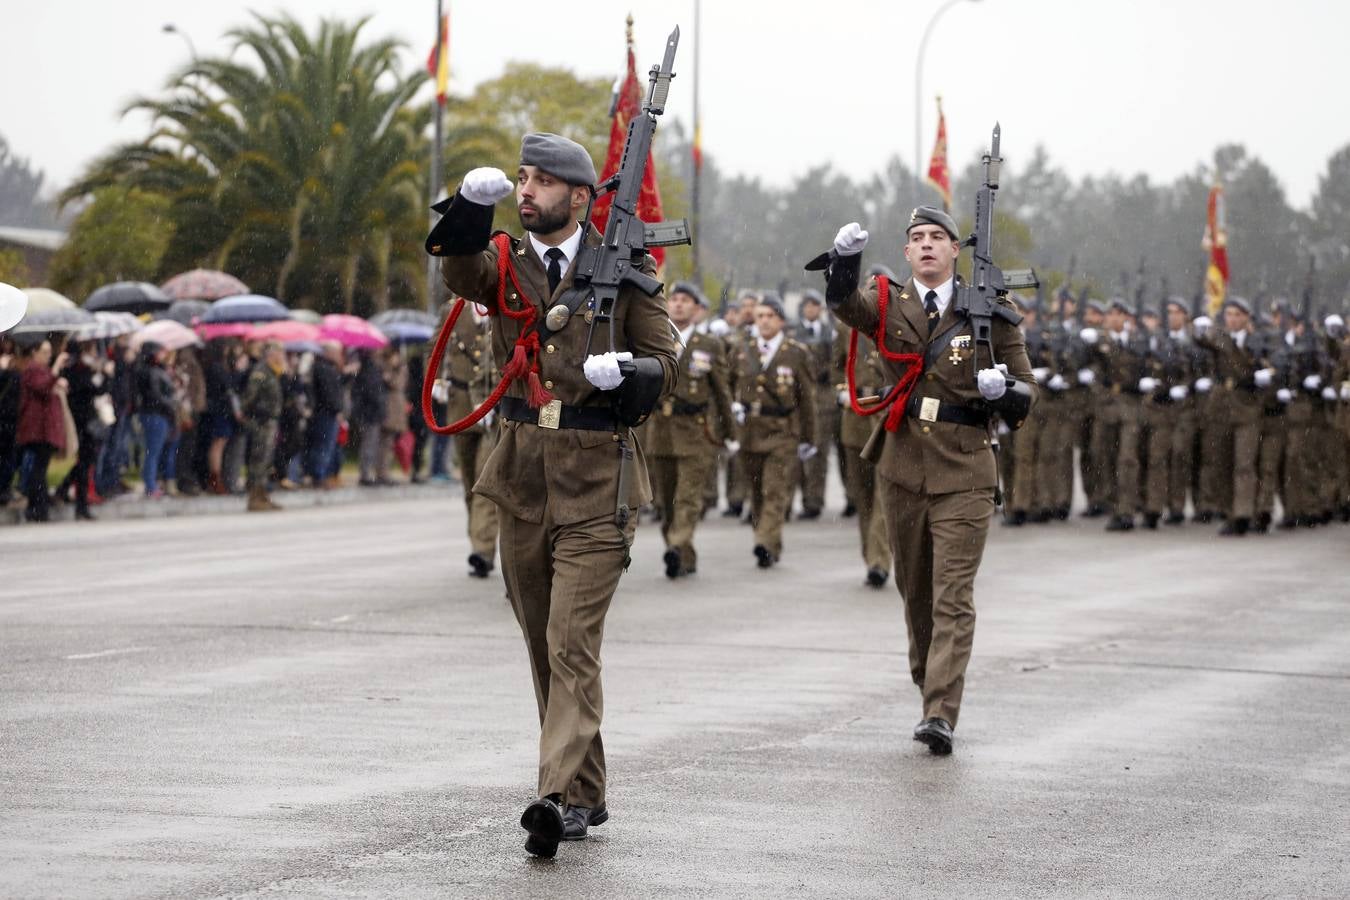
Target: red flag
[627,106]
[1216,242]
[939,176]
[438,63]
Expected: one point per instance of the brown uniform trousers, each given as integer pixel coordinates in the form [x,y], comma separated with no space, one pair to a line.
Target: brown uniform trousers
[1237,406]
[1270,459]
[1115,443]
[468,377]
[736,483]
[683,438]
[938,482]
[812,473]
[557,490]
[1054,466]
[780,402]
[1301,451]
[860,476]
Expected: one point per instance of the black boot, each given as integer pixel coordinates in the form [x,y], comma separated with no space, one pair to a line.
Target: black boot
[1235,527]
[1120,523]
[1151,520]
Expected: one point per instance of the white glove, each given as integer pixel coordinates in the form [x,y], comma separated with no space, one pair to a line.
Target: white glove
[738,412]
[1334,325]
[718,327]
[850,240]
[1312,382]
[1147,385]
[488,417]
[440,391]
[1203,385]
[733,447]
[485,186]
[805,451]
[602,369]
[843,398]
[1202,324]
[1040,373]
[1284,395]
[992,383]
[1057,382]
[1328,393]
[1178,393]
[1263,377]
[1086,376]
[1088,335]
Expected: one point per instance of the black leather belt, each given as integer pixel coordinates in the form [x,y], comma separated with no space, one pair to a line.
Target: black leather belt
[455,382]
[926,409]
[559,415]
[775,412]
[684,408]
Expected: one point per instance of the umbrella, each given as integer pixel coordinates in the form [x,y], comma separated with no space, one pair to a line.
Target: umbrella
[403,316]
[108,325]
[308,316]
[285,330]
[407,332]
[350,331]
[54,320]
[168,334]
[42,299]
[245,308]
[127,296]
[211,332]
[303,347]
[203,284]
[185,312]
[13,306]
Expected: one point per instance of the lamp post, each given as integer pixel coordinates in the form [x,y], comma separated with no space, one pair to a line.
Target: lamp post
[170,28]
[918,91]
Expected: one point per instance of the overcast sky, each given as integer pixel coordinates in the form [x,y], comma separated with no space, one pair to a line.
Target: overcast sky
[1146,86]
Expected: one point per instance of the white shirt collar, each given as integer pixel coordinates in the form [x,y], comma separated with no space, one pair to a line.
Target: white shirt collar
[686,334]
[774,344]
[944,292]
[568,247]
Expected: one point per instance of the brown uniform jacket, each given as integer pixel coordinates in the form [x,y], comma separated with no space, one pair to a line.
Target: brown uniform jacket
[468,370]
[935,457]
[574,472]
[779,398]
[696,418]
[1237,398]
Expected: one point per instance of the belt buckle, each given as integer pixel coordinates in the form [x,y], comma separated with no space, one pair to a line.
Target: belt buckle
[928,409]
[550,414]
[1230,383]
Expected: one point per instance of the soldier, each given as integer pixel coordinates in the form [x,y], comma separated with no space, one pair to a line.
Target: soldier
[741,318]
[860,476]
[560,463]
[1033,451]
[466,381]
[261,406]
[1089,397]
[936,466]
[1120,358]
[1175,357]
[776,405]
[687,431]
[1057,405]
[816,332]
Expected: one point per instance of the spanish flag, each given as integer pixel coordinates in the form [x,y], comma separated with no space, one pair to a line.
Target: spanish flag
[1216,242]
[939,176]
[438,63]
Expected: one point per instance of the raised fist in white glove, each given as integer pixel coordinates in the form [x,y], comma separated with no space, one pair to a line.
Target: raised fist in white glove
[1147,385]
[1284,395]
[1312,382]
[1335,325]
[992,383]
[850,240]
[1263,377]
[1057,382]
[1203,385]
[733,447]
[1086,377]
[1040,373]
[1328,393]
[843,398]
[440,391]
[738,412]
[1202,324]
[602,369]
[485,186]
[1088,335]
[805,451]
[1177,392]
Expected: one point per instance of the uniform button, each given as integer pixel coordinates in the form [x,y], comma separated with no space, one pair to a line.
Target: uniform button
[986,440]
[477,369]
[760,389]
[550,348]
[549,385]
[931,376]
[514,297]
[926,429]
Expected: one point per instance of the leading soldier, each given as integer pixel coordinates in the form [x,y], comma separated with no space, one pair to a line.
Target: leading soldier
[937,466]
[557,469]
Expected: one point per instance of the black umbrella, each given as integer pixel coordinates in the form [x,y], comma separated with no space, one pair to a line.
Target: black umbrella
[244,308]
[135,297]
[185,312]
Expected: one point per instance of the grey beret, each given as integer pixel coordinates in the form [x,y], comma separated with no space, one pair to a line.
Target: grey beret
[810,295]
[1240,302]
[930,215]
[685,287]
[1122,304]
[559,156]
[1180,303]
[771,300]
[1097,305]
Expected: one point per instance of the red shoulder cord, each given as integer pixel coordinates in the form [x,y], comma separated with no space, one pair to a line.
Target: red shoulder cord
[524,362]
[898,396]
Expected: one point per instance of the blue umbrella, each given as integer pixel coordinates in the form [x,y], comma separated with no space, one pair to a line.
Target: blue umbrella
[244,308]
[406,332]
[403,316]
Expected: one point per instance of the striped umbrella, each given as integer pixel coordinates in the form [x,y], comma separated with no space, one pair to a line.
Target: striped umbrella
[108,325]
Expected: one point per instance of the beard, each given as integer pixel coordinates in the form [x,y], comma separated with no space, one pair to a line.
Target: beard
[550,219]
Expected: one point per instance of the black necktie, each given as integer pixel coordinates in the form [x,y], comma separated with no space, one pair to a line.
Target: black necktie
[554,269]
[930,307]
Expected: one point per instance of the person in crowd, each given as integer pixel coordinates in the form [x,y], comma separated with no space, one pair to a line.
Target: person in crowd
[10,389]
[157,408]
[369,401]
[221,416]
[42,427]
[326,380]
[88,381]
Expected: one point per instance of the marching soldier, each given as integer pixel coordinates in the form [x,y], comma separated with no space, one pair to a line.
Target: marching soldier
[564,469]
[1176,359]
[1033,453]
[776,405]
[860,477]
[1120,358]
[467,381]
[1090,398]
[816,332]
[688,429]
[936,467]
[742,317]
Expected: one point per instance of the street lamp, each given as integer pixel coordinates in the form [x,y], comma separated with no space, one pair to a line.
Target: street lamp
[918,91]
[170,28]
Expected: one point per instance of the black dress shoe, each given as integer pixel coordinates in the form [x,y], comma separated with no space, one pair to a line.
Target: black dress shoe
[1203,517]
[543,819]
[808,514]
[1121,523]
[1016,518]
[936,733]
[1094,512]
[1175,519]
[479,565]
[1041,516]
[763,558]
[1062,514]
[876,577]
[1288,523]
[1234,528]
[733,511]
[578,818]
[851,510]
[1151,521]
[673,569]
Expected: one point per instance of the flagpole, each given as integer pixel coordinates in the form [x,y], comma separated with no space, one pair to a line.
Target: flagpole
[918,94]
[434,188]
[698,168]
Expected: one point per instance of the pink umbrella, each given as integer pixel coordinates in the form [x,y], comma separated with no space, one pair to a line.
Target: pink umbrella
[213,330]
[351,331]
[168,334]
[203,284]
[285,330]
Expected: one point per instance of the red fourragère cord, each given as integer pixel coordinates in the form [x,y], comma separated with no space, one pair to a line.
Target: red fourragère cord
[898,396]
